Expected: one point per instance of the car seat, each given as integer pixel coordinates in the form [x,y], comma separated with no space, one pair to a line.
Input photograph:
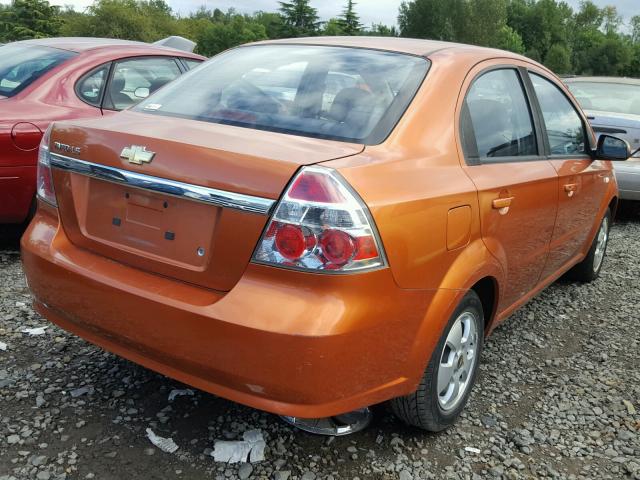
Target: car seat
[352,107]
[116,97]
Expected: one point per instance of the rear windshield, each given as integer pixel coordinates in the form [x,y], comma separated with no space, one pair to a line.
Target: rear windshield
[607,97]
[21,65]
[338,93]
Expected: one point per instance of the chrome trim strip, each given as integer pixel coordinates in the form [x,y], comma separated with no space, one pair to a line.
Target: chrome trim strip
[212,196]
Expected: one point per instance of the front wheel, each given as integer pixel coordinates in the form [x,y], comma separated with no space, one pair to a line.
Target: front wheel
[589,269]
[451,372]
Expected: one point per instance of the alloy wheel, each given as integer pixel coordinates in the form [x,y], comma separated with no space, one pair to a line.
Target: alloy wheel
[601,244]
[458,361]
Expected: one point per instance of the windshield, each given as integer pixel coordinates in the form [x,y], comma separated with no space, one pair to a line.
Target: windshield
[21,65]
[607,97]
[338,93]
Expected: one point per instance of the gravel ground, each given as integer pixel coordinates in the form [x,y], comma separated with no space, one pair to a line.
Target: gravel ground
[558,396]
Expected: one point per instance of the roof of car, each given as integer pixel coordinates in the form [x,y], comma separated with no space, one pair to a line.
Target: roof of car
[624,80]
[83,44]
[413,46]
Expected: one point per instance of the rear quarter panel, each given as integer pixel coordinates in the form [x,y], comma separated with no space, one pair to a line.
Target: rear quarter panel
[412,180]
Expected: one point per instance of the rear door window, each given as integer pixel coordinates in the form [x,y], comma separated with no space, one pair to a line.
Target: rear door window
[496,118]
[21,65]
[133,80]
[563,125]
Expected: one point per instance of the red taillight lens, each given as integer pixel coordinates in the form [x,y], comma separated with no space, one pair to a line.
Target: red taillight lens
[321,224]
[290,241]
[44,180]
[312,187]
[337,246]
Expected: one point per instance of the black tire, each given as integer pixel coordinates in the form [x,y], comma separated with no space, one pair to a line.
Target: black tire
[587,270]
[32,212]
[422,408]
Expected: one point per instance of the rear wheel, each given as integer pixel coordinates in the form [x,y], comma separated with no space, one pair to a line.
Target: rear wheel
[451,372]
[589,269]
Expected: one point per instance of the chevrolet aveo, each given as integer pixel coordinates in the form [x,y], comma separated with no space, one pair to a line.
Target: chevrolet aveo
[316,225]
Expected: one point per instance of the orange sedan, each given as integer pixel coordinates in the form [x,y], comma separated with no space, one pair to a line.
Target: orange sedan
[311,226]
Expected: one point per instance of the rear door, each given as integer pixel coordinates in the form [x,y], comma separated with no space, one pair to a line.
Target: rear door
[582,180]
[517,185]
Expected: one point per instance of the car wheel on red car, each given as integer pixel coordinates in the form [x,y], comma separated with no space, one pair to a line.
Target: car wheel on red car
[452,370]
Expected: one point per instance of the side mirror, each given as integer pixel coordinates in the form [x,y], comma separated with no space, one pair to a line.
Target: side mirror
[141,92]
[612,148]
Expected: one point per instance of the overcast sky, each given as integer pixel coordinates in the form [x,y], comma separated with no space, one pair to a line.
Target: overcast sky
[370,11]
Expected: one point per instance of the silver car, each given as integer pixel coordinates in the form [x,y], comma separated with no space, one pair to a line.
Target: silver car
[612,105]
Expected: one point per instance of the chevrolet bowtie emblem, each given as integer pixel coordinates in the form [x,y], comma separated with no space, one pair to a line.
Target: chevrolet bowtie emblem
[137,154]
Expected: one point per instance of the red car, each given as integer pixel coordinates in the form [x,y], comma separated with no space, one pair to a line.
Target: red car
[62,78]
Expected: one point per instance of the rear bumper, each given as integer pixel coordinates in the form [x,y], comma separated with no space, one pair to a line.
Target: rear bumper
[628,177]
[286,342]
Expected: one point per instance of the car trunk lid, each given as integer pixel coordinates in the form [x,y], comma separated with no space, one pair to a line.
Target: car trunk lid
[626,126]
[194,210]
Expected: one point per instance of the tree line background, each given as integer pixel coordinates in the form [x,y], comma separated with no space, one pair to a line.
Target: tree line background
[589,40]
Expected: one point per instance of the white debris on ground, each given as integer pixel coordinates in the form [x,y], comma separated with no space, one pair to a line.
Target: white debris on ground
[167,445]
[472,449]
[179,393]
[250,448]
[34,331]
[3,346]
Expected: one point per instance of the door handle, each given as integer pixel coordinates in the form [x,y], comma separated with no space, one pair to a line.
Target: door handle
[571,189]
[502,203]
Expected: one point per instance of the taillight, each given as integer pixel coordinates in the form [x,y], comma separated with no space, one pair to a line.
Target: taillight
[320,224]
[44,180]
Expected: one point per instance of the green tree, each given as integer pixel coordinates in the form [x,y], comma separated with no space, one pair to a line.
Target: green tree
[478,22]
[635,28]
[145,21]
[632,69]
[273,23]
[558,59]
[589,16]
[350,20]
[533,54]
[541,24]
[381,30]
[508,39]
[24,19]
[611,20]
[236,30]
[333,27]
[434,19]
[610,57]
[300,18]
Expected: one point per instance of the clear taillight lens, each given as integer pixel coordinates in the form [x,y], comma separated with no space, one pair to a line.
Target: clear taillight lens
[321,224]
[44,180]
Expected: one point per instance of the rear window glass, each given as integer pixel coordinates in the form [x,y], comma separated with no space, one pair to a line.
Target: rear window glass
[607,97]
[21,65]
[337,93]
[191,62]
